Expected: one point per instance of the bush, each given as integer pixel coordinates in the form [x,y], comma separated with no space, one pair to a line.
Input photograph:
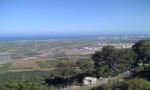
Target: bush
[133,84]
[23,85]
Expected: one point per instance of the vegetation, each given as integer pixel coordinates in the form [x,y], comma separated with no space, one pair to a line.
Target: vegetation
[66,69]
[133,84]
[142,48]
[110,61]
[138,60]
[24,85]
[43,64]
[4,68]
[86,67]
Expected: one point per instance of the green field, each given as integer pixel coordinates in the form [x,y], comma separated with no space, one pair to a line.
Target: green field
[50,63]
[4,68]
[31,65]
[43,64]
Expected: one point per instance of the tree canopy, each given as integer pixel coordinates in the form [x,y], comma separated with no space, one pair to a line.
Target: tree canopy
[142,48]
[111,61]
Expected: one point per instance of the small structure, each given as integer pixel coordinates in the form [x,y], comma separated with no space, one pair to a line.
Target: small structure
[87,81]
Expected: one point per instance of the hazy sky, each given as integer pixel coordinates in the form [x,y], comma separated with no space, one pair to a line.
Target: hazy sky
[18,17]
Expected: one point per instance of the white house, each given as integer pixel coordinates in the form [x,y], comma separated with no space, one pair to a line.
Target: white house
[90,81]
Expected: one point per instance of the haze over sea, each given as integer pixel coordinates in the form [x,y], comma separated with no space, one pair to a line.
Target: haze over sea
[46,37]
[62,37]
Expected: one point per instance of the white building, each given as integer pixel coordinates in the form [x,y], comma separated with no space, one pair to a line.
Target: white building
[90,81]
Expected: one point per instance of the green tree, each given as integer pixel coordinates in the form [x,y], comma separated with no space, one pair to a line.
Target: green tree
[111,61]
[128,58]
[66,69]
[86,67]
[142,48]
[106,61]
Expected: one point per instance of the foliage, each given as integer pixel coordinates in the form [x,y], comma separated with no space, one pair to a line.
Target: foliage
[142,48]
[133,84]
[43,64]
[143,74]
[5,67]
[138,84]
[111,61]
[26,75]
[23,85]
[86,66]
[66,69]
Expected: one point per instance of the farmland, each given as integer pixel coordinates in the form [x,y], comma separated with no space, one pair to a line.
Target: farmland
[28,55]
[31,65]
[59,67]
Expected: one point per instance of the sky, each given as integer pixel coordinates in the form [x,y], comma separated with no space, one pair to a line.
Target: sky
[58,17]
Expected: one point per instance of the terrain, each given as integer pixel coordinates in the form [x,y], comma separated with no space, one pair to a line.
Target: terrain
[63,64]
[28,55]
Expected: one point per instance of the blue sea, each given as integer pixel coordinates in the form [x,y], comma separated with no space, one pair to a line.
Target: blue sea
[61,37]
[46,37]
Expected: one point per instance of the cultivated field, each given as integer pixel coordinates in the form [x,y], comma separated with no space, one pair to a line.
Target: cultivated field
[30,65]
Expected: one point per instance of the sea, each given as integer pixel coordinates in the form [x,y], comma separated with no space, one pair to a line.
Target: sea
[62,37]
[46,37]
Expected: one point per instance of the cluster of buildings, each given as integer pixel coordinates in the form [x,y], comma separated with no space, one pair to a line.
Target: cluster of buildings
[117,45]
[98,47]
